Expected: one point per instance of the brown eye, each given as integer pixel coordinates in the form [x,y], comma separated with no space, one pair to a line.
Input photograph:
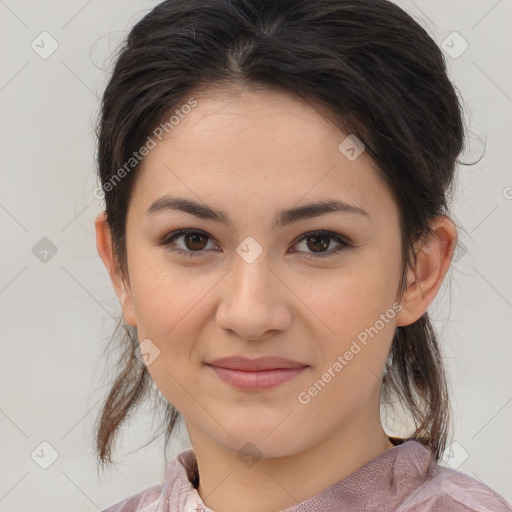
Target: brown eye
[187,242]
[191,242]
[195,241]
[318,243]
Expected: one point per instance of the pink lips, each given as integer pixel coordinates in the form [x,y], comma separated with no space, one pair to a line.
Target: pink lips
[256,374]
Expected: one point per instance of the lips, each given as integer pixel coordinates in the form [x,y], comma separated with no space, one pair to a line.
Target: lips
[256,374]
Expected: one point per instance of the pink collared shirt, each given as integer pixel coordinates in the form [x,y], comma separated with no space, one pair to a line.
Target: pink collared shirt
[405,478]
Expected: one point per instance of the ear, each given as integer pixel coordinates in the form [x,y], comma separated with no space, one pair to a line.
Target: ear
[432,264]
[121,285]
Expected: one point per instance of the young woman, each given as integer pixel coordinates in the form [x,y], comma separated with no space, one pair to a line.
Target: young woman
[276,176]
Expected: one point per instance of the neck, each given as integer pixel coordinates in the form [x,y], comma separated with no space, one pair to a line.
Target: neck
[226,485]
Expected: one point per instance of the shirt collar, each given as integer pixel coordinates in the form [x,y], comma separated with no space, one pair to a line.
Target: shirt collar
[390,475]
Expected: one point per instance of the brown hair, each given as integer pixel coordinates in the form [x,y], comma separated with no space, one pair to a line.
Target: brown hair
[370,67]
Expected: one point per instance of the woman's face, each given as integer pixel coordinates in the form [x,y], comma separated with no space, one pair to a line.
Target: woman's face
[248,287]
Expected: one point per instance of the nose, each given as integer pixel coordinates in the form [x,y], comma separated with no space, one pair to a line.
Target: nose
[255,302]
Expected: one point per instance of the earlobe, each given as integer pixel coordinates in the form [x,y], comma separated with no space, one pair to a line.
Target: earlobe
[433,259]
[106,253]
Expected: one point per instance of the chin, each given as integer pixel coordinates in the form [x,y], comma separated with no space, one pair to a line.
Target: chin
[254,442]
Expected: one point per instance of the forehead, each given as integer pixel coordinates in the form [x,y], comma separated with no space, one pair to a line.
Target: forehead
[256,146]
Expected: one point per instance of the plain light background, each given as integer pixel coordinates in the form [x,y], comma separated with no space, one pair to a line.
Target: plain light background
[57,315]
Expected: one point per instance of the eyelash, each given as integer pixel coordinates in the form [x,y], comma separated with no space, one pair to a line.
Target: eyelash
[170,237]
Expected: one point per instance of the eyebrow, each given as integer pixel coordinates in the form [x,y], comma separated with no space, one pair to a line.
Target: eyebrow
[282,218]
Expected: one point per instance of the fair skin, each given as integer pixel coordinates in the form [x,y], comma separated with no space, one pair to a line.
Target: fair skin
[251,155]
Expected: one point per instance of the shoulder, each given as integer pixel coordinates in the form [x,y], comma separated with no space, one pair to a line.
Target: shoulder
[147,500]
[176,492]
[448,489]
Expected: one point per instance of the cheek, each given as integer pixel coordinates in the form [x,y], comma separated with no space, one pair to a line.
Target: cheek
[358,323]
[350,301]
[169,314]
[171,306]
[167,297]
